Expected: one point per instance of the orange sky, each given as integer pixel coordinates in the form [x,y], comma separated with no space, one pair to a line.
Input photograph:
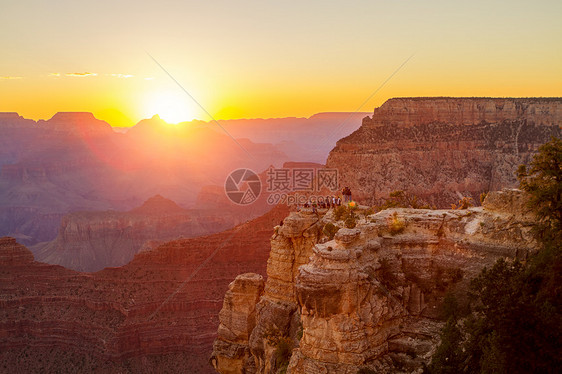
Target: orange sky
[269,59]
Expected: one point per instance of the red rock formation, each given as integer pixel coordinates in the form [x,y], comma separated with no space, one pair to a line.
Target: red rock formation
[159,313]
[371,297]
[443,148]
[13,253]
[415,111]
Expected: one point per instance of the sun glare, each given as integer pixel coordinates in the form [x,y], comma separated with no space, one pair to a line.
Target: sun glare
[172,107]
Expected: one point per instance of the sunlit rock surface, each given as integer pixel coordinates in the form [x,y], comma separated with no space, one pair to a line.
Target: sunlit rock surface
[372,297]
[443,148]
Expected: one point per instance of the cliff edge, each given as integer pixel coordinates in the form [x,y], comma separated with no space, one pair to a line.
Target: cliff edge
[444,148]
[371,297]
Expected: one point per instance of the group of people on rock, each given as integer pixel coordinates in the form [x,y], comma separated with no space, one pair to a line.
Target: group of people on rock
[329,201]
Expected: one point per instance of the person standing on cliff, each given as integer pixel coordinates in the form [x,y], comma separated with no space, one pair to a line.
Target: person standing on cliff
[346,192]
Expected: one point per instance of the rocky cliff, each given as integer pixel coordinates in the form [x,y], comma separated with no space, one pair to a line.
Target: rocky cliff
[369,298]
[443,148]
[156,314]
[91,241]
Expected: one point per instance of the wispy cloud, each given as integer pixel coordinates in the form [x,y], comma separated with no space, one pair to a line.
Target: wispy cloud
[121,75]
[6,77]
[54,75]
[81,75]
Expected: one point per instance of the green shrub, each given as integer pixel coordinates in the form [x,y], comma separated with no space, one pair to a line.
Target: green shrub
[330,230]
[403,199]
[350,221]
[283,347]
[283,352]
[369,211]
[340,212]
[450,307]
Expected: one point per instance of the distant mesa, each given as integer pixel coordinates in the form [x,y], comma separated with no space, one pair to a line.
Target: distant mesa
[14,120]
[9,115]
[338,115]
[79,123]
[73,116]
[158,205]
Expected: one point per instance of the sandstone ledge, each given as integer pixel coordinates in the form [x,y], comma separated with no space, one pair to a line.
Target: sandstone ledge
[368,298]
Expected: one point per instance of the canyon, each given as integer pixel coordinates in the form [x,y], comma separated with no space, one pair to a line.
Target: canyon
[369,298]
[74,162]
[283,296]
[157,313]
[91,240]
[444,148]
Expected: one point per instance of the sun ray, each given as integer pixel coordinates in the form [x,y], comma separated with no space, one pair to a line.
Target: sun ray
[172,107]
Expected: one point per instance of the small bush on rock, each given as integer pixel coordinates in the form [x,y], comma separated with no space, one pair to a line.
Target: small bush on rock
[330,230]
[396,224]
[340,212]
[350,221]
[464,203]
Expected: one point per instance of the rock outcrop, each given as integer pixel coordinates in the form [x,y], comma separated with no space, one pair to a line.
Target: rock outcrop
[441,149]
[158,313]
[277,310]
[372,296]
[13,253]
[237,321]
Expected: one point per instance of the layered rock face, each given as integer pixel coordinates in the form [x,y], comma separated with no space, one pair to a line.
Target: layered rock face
[158,313]
[441,149]
[91,241]
[237,320]
[372,297]
[277,310]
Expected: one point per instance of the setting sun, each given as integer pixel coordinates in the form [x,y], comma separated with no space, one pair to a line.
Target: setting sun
[172,107]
